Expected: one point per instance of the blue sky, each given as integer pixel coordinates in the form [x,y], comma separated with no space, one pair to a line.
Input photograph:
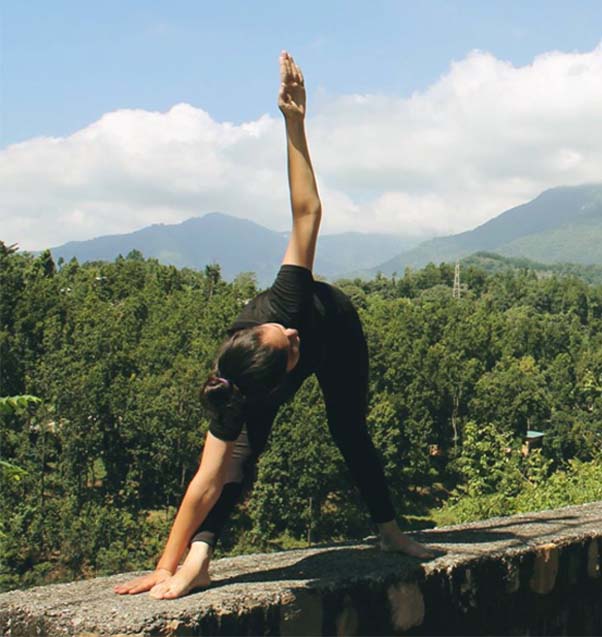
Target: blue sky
[425,118]
[64,64]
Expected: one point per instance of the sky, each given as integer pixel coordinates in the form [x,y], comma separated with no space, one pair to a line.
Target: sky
[424,118]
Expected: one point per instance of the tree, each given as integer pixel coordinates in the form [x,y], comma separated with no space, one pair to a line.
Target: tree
[513,395]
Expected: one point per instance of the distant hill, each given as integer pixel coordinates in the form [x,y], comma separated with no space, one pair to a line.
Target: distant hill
[492,263]
[238,245]
[560,225]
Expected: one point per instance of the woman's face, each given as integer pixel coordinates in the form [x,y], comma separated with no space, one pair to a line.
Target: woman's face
[282,337]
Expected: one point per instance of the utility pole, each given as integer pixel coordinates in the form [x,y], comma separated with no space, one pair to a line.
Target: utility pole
[456,290]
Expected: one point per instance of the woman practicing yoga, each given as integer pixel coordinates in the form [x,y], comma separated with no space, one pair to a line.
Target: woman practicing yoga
[297,327]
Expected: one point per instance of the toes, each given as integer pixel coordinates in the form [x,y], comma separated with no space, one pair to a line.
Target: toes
[409,547]
[417,550]
[171,594]
[167,591]
[158,591]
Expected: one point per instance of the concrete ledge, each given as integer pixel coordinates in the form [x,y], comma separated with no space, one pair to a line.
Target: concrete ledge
[537,573]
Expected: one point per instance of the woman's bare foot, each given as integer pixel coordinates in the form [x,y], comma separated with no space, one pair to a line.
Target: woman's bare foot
[392,539]
[406,545]
[194,573]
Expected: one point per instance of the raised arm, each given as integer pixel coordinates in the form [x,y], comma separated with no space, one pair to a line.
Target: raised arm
[202,493]
[305,201]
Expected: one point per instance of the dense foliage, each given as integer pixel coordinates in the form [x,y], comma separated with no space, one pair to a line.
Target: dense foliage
[91,474]
[493,262]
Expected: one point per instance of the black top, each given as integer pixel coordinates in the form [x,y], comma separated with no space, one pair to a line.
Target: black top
[295,300]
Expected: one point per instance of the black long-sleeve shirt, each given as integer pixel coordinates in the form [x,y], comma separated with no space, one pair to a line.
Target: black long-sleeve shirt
[297,301]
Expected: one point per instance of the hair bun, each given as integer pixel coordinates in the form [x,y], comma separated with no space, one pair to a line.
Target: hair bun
[217,392]
[226,405]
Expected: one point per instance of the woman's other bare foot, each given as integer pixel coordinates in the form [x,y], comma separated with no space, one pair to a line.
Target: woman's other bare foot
[406,545]
[393,540]
[194,573]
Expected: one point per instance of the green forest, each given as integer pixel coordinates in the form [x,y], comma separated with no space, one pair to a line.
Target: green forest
[101,424]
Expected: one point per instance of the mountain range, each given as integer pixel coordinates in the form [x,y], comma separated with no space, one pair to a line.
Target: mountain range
[562,224]
[238,245]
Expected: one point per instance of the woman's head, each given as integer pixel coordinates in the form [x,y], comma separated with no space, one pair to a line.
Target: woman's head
[280,337]
[253,361]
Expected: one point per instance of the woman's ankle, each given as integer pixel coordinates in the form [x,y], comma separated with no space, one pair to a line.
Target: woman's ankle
[388,528]
[200,552]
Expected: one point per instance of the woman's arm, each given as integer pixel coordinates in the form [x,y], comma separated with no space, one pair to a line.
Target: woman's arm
[202,493]
[305,201]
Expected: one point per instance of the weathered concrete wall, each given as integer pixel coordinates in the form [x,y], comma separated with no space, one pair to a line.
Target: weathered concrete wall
[536,574]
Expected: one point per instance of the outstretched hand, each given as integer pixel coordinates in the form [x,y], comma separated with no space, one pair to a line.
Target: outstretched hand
[291,97]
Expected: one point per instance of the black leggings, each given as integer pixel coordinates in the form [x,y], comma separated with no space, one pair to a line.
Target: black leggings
[343,378]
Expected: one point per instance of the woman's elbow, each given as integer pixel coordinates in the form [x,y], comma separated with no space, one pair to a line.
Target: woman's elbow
[201,488]
[214,490]
[308,209]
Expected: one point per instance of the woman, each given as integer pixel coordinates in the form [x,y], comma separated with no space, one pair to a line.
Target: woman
[296,328]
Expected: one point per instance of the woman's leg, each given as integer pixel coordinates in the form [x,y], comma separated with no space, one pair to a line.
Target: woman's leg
[343,378]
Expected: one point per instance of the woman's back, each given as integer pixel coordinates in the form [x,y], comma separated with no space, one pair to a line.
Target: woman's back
[296,300]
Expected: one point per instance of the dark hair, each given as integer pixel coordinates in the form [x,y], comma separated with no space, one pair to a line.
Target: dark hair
[246,370]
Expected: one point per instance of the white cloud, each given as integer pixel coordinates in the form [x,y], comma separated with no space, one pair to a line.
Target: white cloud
[484,137]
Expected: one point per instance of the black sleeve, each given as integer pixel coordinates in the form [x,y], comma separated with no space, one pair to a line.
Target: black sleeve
[226,430]
[291,294]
